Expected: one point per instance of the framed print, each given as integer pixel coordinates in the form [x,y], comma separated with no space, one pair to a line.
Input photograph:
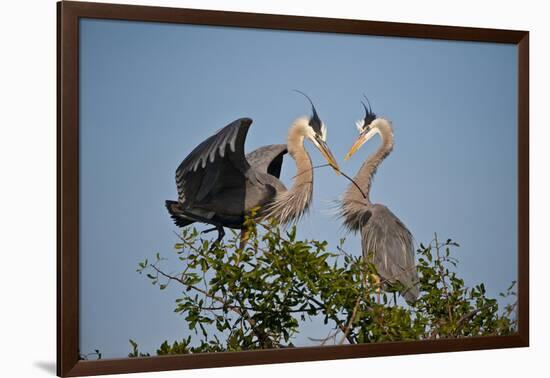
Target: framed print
[216,195]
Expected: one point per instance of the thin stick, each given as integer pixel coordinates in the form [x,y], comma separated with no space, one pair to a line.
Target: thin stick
[343,174]
[354,183]
[311,169]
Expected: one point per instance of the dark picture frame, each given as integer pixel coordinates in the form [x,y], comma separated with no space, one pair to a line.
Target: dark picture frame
[68,15]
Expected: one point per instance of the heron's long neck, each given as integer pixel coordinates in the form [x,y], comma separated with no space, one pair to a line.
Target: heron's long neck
[354,203]
[302,184]
[290,205]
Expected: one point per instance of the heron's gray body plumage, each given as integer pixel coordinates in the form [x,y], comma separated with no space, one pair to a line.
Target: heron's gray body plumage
[385,240]
[218,184]
[391,245]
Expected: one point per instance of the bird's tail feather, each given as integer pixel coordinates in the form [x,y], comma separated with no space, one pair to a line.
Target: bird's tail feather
[177,215]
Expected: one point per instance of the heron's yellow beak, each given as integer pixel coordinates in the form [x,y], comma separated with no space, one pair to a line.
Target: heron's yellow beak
[325,151]
[363,138]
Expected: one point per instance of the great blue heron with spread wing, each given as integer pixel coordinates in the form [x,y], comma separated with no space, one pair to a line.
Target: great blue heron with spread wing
[386,242]
[218,185]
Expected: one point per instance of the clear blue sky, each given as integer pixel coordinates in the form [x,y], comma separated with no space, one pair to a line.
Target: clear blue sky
[151,92]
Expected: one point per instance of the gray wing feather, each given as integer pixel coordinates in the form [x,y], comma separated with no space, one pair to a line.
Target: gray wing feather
[222,152]
[232,136]
[268,159]
[392,248]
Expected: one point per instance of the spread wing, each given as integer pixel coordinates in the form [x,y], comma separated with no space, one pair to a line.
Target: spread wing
[217,161]
[392,246]
[268,159]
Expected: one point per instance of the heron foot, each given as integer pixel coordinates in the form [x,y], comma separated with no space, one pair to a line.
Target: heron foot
[221,234]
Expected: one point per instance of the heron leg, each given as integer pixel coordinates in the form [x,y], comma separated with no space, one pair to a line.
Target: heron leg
[377,283]
[221,234]
[217,227]
[245,234]
[209,230]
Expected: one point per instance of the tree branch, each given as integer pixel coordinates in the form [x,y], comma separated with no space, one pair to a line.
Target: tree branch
[350,322]
[471,314]
[262,336]
[442,274]
[333,317]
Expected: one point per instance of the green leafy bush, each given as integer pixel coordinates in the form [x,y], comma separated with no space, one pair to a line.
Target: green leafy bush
[260,296]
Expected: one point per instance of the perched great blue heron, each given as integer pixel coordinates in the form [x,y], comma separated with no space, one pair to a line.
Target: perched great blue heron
[386,242]
[218,185]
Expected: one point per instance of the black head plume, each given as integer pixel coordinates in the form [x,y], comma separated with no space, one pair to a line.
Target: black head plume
[314,121]
[369,115]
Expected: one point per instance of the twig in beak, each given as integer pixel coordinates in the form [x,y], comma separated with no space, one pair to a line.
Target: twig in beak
[343,174]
